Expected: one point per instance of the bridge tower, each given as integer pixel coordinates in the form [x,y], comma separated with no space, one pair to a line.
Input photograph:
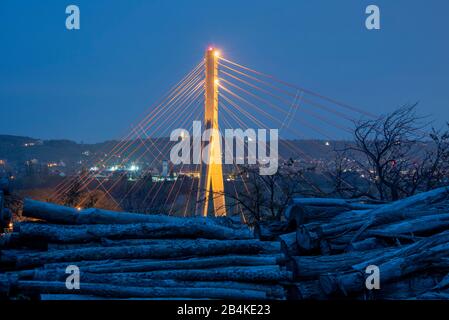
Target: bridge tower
[211,184]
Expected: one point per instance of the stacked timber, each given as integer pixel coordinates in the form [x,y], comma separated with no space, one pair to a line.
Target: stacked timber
[335,244]
[129,255]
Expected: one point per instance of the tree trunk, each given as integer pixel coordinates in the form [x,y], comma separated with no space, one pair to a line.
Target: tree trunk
[57,214]
[306,267]
[393,212]
[289,244]
[170,250]
[193,263]
[246,274]
[114,291]
[392,265]
[88,233]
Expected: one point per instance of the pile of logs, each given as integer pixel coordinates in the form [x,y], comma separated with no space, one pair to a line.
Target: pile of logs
[325,249]
[334,242]
[128,255]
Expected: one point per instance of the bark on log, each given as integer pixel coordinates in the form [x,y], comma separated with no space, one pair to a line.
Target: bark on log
[394,265]
[270,231]
[407,250]
[407,288]
[57,214]
[306,210]
[434,296]
[113,291]
[367,244]
[194,263]
[392,212]
[307,240]
[183,249]
[272,290]
[444,283]
[289,244]
[245,274]
[309,290]
[343,231]
[88,233]
[117,243]
[279,258]
[422,225]
[306,267]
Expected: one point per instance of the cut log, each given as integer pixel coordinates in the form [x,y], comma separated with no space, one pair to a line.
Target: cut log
[246,274]
[394,265]
[58,214]
[183,249]
[364,245]
[307,267]
[309,290]
[444,283]
[307,240]
[408,288]
[342,231]
[272,290]
[271,230]
[304,210]
[113,291]
[279,258]
[289,244]
[194,263]
[394,211]
[72,297]
[407,250]
[434,295]
[295,215]
[418,226]
[88,233]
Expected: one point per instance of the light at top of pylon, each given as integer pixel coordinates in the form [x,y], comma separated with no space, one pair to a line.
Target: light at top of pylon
[217,53]
[210,48]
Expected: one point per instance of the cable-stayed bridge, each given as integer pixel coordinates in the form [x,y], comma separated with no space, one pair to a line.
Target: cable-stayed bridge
[221,94]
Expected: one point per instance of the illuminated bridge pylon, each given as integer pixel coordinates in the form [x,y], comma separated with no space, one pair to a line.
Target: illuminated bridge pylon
[211,186]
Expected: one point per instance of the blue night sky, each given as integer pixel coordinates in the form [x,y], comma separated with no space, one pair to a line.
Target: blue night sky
[91,85]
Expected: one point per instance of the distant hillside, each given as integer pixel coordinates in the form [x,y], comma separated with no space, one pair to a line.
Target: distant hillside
[16,149]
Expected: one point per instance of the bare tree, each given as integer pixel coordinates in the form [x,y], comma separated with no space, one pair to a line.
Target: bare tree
[397,156]
[346,181]
[265,197]
[433,170]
